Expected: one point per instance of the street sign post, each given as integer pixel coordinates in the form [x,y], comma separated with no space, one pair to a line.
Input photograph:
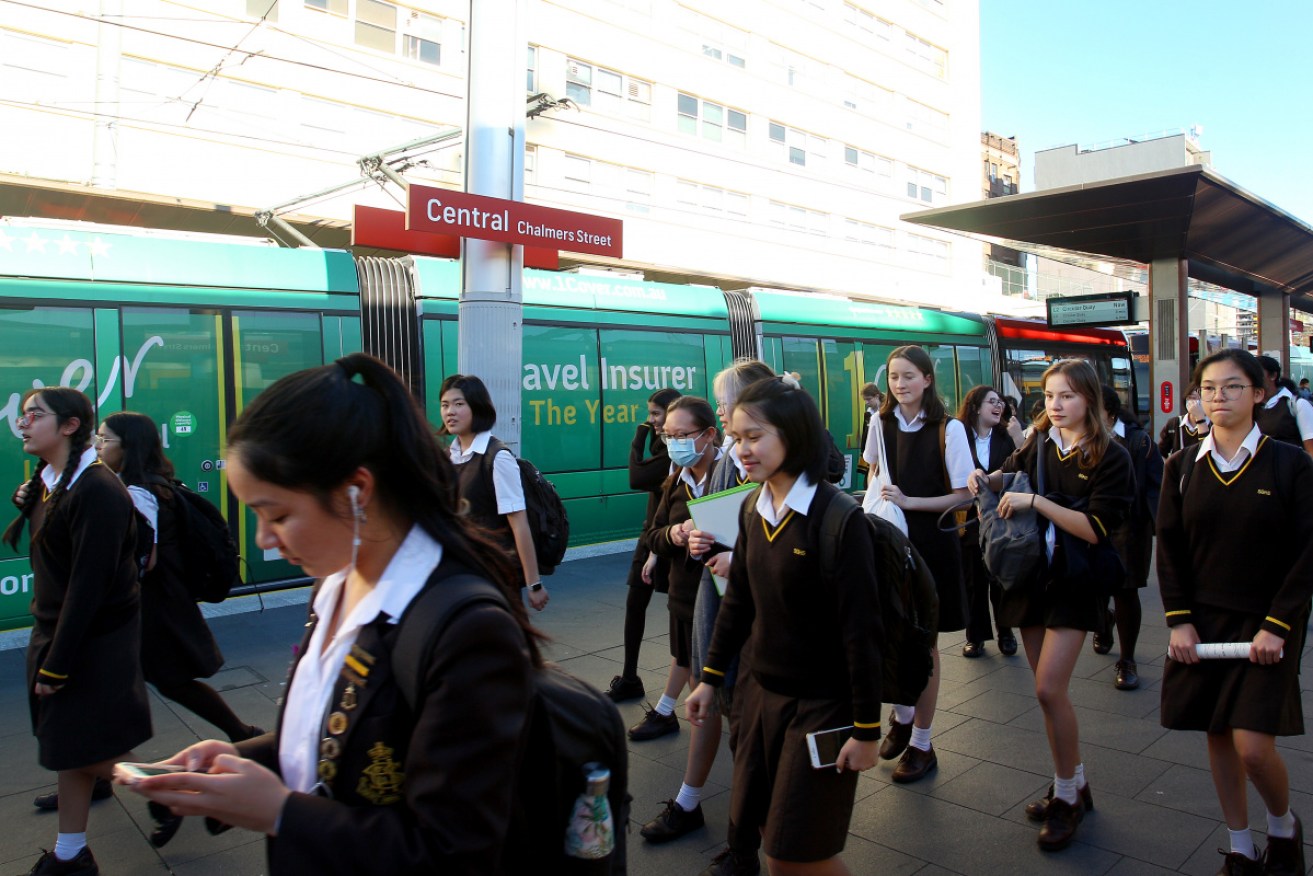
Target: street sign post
[1111,308]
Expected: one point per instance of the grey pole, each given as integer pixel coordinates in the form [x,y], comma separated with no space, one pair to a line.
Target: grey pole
[490,315]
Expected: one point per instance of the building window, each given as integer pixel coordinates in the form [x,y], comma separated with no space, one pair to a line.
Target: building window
[869,235]
[868,25]
[867,162]
[376,25]
[578,169]
[712,200]
[531,68]
[530,163]
[423,39]
[925,120]
[608,91]
[336,7]
[796,218]
[579,83]
[928,252]
[714,38]
[926,57]
[796,146]
[927,187]
[711,121]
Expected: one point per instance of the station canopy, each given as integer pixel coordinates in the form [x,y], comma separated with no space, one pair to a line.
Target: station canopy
[1228,236]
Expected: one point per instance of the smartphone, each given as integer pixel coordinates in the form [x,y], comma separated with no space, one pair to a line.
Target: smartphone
[129,772]
[824,746]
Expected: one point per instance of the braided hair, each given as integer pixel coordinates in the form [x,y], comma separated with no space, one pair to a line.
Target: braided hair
[65,403]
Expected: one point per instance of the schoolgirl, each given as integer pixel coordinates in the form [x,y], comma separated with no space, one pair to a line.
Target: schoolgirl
[693,441]
[929,459]
[491,486]
[649,466]
[85,689]
[1089,490]
[982,414]
[1284,415]
[177,647]
[813,638]
[355,780]
[1186,430]
[1238,489]
[1133,540]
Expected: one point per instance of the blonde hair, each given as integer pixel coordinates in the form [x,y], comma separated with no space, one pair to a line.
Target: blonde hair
[729,384]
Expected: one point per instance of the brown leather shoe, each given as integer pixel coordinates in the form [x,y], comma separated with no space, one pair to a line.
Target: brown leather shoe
[1285,857]
[1060,826]
[1038,810]
[895,739]
[915,765]
[1236,864]
[1127,676]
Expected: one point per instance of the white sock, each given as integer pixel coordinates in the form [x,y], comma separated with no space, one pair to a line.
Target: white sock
[666,705]
[920,738]
[67,845]
[904,714]
[689,797]
[1281,826]
[1243,842]
[1065,790]
[1080,776]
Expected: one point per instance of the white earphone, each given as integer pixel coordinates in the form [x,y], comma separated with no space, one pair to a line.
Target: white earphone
[353,494]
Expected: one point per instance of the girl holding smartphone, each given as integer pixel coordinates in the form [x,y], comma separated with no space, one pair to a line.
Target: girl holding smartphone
[1237,489]
[814,640]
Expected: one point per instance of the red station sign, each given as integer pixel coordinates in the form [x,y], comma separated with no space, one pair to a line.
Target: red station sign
[386,229]
[1165,397]
[442,211]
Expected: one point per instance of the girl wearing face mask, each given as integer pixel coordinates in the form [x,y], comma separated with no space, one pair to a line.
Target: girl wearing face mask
[649,466]
[85,688]
[929,461]
[1089,488]
[693,443]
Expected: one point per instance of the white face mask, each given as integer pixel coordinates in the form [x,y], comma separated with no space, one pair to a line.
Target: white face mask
[684,451]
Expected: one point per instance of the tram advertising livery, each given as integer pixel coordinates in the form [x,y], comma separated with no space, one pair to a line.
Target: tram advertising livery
[189,330]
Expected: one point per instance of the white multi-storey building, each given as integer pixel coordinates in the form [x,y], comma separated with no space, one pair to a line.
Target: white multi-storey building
[744,142]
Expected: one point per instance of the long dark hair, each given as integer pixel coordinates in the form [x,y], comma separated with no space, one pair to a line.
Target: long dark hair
[787,407]
[311,430]
[144,463]
[931,404]
[969,413]
[65,403]
[699,409]
[663,397]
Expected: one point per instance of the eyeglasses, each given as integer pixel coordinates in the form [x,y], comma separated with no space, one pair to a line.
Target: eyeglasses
[1230,390]
[101,440]
[32,416]
[995,403]
[668,438]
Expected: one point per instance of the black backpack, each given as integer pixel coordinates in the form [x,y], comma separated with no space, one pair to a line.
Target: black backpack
[909,602]
[572,724]
[211,563]
[548,523]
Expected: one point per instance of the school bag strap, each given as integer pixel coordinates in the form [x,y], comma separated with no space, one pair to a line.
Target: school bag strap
[841,509]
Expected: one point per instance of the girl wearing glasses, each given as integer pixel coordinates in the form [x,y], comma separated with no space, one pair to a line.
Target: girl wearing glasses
[814,641]
[1239,488]
[693,442]
[356,780]
[86,692]
[490,482]
[982,414]
[929,461]
[1089,489]
[177,647]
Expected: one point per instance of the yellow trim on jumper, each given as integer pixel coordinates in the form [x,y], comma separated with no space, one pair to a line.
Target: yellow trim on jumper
[713,671]
[1285,627]
[1101,526]
[360,668]
[1070,453]
[1178,612]
[859,725]
[770,536]
[1235,476]
[48,673]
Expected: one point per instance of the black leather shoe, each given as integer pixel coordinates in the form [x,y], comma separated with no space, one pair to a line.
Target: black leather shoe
[103,790]
[973,649]
[623,689]
[1007,643]
[1236,864]
[653,726]
[1102,643]
[1038,810]
[1127,678]
[81,864]
[915,765]
[1285,857]
[1060,826]
[895,739]
[672,823]
[731,863]
[166,824]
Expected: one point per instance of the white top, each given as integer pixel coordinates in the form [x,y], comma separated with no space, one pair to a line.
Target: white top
[799,499]
[982,448]
[957,451]
[1118,428]
[1248,448]
[50,477]
[1303,412]
[698,487]
[316,673]
[149,507]
[505,472]
[1192,428]
[734,458]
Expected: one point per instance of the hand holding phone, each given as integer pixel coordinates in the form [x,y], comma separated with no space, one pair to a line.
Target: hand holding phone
[126,773]
[825,745]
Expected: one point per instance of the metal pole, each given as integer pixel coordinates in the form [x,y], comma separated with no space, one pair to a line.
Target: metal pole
[490,315]
[1169,344]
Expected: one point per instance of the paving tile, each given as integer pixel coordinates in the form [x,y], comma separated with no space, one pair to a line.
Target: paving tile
[1155,834]
[991,788]
[863,856]
[1101,728]
[997,706]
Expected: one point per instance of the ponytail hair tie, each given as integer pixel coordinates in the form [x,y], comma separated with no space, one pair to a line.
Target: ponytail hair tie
[791,379]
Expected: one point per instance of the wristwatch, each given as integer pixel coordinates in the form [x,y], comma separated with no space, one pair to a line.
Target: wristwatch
[535,586]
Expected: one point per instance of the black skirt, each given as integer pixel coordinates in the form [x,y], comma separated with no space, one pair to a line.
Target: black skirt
[176,642]
[1220,695]
[943,555]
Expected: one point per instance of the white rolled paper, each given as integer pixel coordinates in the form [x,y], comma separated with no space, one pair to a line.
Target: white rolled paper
[1225,650]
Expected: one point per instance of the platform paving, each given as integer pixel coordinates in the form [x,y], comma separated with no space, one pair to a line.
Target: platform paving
[1156,811]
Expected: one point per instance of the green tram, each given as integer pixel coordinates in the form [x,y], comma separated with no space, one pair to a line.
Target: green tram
[188,330]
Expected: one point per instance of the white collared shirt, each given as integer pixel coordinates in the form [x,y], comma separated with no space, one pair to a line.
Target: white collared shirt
[1248,448]
[147,506]
[982,448]
[799,499]
[957,452]
[505,472]
[50,477]
[316,673]
[734,458]
[698,487]
[1303,411]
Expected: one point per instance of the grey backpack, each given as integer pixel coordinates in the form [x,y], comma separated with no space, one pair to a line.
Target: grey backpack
[1013,549]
